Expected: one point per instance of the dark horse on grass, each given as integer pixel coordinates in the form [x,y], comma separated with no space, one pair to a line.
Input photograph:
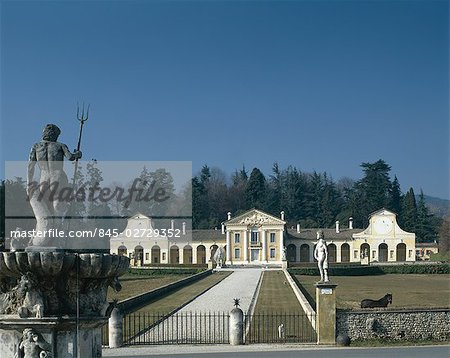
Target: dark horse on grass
[382,302]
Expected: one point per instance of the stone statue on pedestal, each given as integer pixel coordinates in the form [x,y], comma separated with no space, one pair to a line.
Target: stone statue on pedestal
[50,196]
[321,255]
[219,257]
[57,297]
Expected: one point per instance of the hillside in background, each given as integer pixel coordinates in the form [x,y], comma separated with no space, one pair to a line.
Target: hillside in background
[437,206]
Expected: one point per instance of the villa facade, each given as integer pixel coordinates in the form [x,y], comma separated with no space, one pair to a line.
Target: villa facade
[258,238]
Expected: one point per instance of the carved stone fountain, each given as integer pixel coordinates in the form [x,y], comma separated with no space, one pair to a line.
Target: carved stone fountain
[53,298]
[58,305]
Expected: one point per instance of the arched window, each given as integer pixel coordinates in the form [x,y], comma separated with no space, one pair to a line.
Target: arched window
[291,253]
[156,254]
[401,252]
[174,256]
[345,253]
[331,252]
[382,253]
[139,253]
[304,253]
[187,254]
[201,254]
[122,251]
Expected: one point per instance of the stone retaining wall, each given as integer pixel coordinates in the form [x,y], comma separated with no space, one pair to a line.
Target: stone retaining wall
[405,324]
[134,303]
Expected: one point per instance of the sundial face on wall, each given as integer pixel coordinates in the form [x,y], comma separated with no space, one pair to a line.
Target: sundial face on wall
[383,225]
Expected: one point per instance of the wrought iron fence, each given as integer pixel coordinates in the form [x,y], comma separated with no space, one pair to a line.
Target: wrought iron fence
[287,327]
[149,328]
[180,328]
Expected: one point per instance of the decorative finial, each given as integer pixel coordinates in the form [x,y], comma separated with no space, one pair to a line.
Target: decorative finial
[236,302]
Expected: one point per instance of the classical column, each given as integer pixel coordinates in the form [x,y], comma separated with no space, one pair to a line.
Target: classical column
[246,246]
[281,243]
[264,246]
[228,248]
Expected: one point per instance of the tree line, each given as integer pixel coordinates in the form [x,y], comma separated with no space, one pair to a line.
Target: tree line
[311,199]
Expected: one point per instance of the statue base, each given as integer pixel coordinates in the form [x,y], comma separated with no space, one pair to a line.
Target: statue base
[56,336]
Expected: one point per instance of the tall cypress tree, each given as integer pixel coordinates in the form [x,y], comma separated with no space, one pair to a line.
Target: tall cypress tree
[409,211]
[255,192]
[426,228]
[395,197]
[375,185]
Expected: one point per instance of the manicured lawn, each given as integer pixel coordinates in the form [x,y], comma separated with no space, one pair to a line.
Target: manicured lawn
[276,305]
[408,291]
[134,285]
[276,295]
[184,294]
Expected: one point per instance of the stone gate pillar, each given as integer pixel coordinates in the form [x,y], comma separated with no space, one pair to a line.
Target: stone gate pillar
[326,312]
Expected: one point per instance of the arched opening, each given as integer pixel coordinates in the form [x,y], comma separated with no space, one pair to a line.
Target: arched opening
[201,254]
[187,254]
[156,254]
[401,252]
[365,251]
[291,253]
[304,253]
[213,251]
[331,252]
[382,253]
[139,253]
[345,253]
[122,251]
[174,256]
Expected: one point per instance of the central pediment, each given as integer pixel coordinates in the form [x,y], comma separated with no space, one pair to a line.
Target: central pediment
[255,217]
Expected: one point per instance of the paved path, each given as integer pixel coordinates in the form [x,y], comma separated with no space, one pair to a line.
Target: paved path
[240,284]
[198,321]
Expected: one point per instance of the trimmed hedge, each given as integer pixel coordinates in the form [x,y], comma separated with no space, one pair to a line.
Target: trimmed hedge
[374,270]
[165,271]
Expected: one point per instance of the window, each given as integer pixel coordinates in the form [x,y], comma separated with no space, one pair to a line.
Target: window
[410,253]
[374,254]
[254,237]
[237,238]
[237,253]
[391,254]
[147,256]
[355,254]
[272,237]
[272,253]
[164,256]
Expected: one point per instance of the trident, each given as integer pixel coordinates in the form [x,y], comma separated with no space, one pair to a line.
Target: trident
[81,118]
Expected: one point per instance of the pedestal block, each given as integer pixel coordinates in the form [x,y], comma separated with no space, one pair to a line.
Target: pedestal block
[326,312]
[51,336]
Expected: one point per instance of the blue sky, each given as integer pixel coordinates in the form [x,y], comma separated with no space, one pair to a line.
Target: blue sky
[321,85]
